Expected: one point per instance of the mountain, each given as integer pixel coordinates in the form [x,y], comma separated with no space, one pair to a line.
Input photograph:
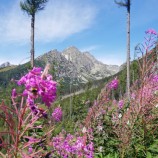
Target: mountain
[6,64]
[77,66]
[68,66]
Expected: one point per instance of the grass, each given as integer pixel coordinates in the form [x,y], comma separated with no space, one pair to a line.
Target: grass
[7,68]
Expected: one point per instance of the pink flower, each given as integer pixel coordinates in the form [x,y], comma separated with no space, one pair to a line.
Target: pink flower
[133,96]
[151,31]
[36,70]
[155,78]
[37,86]
[32,105]
[57,114]
[30,150]
[113,84]
[120,104]
[72,145]
[14,94]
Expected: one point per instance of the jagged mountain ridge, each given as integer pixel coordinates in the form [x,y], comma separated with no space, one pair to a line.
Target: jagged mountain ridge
[77,65]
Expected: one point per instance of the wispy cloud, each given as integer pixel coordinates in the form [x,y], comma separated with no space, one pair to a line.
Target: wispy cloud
[112,59]
[89,48]
[59,20]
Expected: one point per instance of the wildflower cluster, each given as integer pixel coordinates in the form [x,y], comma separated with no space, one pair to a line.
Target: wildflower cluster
[57,114]
[120,104]
[112,128]
[113,84]
[151,87]
[151,31]
[155,79]
[69,146]
[38,85]
[150,39]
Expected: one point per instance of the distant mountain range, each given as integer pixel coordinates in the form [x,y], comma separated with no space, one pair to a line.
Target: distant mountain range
[77,65]
[70,65]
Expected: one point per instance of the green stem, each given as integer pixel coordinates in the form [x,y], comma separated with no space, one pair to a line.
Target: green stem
[123,152]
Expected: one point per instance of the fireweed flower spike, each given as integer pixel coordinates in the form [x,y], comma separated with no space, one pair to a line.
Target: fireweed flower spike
[57,114]
[14,94]
[30,150]
[155,78]
[70,145]
[38,85]
[151,31]
[113,84]
[120,104]
[150,40]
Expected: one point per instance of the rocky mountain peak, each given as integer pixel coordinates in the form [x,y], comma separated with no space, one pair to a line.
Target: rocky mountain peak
[71,49]
[71,53]
[81,66]
[91,57]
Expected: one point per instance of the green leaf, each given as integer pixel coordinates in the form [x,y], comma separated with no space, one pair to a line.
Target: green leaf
[116,155]
[98,155]
[148,155]
[37,123]
[154,147]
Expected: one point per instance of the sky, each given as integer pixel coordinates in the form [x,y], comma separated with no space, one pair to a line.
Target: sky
[97,26]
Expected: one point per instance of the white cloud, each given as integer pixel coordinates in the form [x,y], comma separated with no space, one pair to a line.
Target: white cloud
[89,48]
[59,20]
[112,59]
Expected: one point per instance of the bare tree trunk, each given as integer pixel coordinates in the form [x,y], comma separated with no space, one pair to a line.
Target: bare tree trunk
[32,40]
[128,50]
[157,52]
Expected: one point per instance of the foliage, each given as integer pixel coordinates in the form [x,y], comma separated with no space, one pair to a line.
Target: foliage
[32,6]
[80,106]
[26,133]
[101,126]
[23,132]
[125,128]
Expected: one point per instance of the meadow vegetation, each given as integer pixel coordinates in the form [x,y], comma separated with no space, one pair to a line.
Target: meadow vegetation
[101,122]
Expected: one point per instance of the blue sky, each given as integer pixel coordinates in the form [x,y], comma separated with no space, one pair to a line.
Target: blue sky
[97,26]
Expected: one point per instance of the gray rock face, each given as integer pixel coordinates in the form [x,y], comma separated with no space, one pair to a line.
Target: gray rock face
[6,64]
[79,66]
